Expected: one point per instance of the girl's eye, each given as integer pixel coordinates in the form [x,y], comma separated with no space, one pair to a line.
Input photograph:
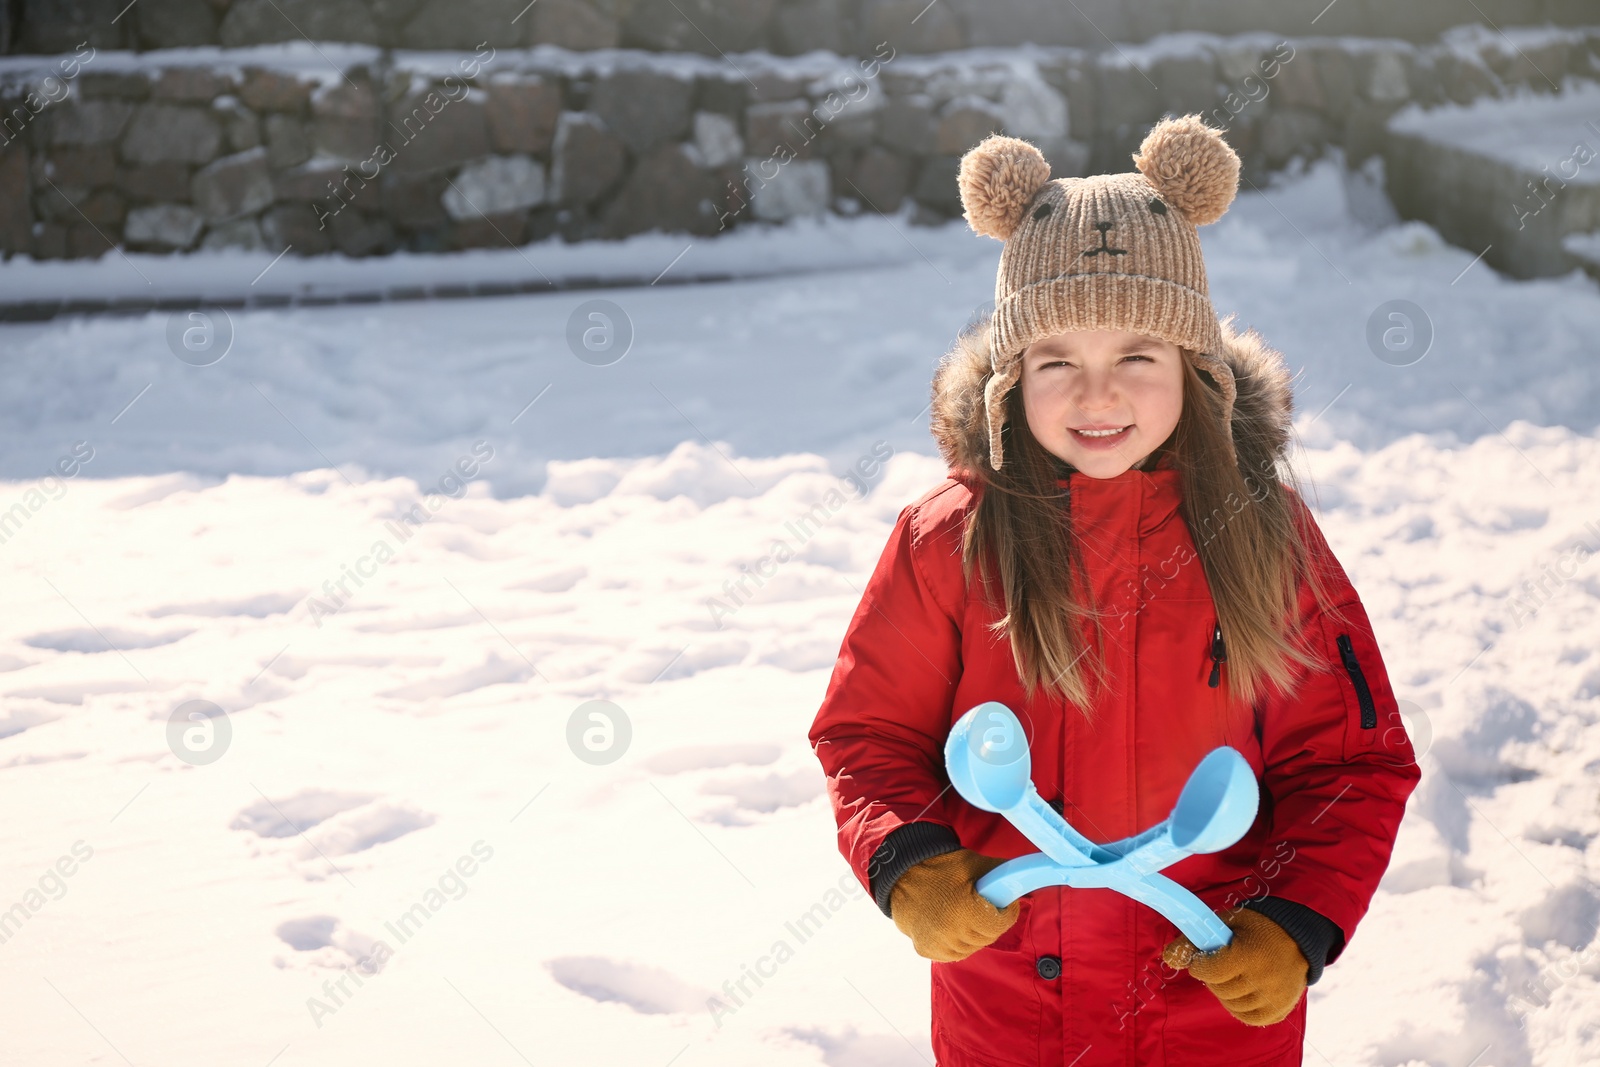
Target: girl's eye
[1064,363]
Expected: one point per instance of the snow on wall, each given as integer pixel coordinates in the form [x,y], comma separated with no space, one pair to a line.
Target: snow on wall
[160,151]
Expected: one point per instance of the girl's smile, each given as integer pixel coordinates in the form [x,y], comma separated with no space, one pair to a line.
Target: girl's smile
[1106,439]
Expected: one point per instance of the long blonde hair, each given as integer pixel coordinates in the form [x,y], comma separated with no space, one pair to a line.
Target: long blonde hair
[1241,523]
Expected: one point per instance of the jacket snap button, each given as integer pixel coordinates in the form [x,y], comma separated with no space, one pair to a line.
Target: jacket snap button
[1049,967]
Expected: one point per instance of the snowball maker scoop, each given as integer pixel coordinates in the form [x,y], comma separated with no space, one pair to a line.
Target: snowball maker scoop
[987,758]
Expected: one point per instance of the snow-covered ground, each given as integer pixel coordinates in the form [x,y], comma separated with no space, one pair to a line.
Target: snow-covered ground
[405,758]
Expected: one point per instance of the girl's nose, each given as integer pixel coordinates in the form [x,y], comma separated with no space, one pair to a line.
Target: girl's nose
[1094,391]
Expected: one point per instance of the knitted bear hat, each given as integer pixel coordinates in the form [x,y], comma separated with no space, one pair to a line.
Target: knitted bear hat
[1108,252]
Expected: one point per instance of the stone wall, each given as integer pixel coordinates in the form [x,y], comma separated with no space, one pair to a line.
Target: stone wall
[366,151]
[712,27]
[1512,180]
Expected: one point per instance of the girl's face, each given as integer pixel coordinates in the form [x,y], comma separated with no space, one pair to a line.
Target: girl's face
[1099,380]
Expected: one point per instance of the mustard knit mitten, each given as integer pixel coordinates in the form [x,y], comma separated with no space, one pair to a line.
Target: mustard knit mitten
[936,904]
[1259,976]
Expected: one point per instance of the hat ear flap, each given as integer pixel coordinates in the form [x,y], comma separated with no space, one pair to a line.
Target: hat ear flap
[998,178]
[1191,166]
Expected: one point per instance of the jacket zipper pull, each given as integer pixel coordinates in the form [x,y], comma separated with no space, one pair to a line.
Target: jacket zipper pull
[1219,652]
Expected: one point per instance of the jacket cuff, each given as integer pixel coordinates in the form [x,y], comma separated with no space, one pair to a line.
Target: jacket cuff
[903,849]
[1314,932]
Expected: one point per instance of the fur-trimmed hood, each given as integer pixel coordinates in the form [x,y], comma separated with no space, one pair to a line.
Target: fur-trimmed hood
[1262,413]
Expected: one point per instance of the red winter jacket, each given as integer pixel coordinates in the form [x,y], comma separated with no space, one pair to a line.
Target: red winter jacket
[1078,979]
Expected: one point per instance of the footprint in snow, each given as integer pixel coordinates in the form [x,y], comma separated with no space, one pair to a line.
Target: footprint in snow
[703,757]
[308,934]
[803,656]
[850,1049]
[328,943]
[365,827]
[648,990]
[15,720]
[1568,915]
[287,816]
[108,639]
[333,824]
[663,664]
[554,581]
[75,692]
[764,794]
[255,607]
[493,671]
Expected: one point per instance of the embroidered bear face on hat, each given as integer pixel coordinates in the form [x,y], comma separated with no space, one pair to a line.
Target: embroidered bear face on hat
[1108,252]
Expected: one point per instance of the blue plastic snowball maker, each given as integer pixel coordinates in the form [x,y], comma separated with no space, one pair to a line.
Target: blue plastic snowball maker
[987,757]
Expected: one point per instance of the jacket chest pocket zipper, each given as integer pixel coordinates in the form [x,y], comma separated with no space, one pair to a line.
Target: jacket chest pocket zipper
[1219,653]
[1352,666]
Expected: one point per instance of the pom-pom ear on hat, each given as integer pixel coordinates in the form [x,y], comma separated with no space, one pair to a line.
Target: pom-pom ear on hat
[997,180]
[1191,166]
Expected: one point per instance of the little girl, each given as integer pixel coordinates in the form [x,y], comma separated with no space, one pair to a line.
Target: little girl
[1114,558]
